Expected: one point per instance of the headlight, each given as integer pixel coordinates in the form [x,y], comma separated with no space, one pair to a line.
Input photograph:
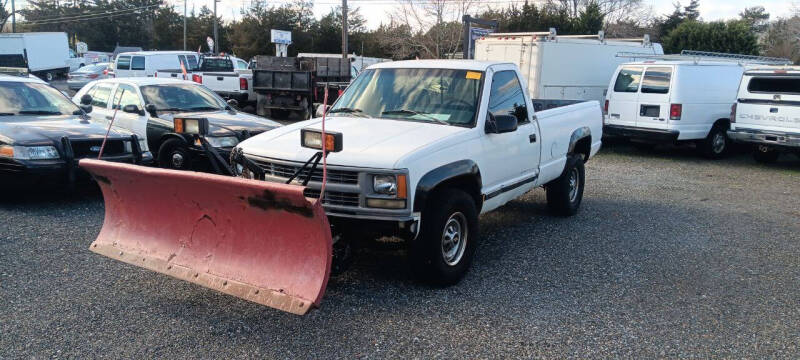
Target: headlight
[223,141]
[385,184]
[29,152]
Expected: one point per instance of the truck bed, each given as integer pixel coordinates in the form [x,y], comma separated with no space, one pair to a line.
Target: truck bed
[558,124]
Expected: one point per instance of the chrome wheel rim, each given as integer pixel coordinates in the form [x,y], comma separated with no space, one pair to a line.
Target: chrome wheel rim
[763,149]
[574,184]
[718,143]
[454,239]
[177,160]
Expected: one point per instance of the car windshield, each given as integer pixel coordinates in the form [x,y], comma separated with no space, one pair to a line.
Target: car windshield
[30,98]
[181,97]
[443,96]
[92,68]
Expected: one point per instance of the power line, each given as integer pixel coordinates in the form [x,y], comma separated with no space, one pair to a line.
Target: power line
[82,17]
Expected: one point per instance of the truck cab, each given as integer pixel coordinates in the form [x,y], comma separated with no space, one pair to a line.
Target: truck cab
[429,145]
[766,114]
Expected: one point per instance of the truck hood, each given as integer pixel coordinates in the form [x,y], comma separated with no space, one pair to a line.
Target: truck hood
[30,130]
[225,123]
[363,146]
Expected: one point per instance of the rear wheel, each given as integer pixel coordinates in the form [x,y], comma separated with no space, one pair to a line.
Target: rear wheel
[716,145]
[173,154]
[564,195]
[49,76]
[444,250]
[764,154]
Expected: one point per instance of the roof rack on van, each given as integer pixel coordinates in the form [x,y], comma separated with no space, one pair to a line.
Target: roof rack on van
[552,35]
[696,56]
[14,71]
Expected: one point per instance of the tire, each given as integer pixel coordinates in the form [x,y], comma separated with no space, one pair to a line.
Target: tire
[716,144]
[443,252]
[49,76]
[173,154]
[564,195]
[764,154]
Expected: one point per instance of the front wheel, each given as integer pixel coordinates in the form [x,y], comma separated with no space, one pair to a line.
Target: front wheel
[173,154]
[765,155]
[443,252]
[715,146]
[564,195]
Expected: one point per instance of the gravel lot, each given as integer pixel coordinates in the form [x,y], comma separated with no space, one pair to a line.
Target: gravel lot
[670,256]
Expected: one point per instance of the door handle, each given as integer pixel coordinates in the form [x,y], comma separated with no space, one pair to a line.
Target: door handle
[108,117]
[616,116]
[773,110]
[532,138]
[219,78]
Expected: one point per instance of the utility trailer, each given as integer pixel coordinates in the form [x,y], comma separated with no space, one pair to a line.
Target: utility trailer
[287,84]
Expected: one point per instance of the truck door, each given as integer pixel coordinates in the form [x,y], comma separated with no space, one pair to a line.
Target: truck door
[511,159]
[623,97]
[653,111]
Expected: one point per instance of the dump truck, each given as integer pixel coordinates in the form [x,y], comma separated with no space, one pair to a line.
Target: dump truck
[297,84]
[412,150]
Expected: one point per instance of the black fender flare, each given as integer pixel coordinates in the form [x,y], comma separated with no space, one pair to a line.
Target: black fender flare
[577,135]
[428,182]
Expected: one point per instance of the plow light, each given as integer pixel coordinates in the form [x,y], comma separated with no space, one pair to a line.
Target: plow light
[191,126]
[313,139]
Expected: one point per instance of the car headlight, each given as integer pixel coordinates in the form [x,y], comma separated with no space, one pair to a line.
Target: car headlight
[222,141]
[29,152]
[385,184]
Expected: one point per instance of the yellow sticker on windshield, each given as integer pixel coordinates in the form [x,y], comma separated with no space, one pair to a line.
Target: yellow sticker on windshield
[473,75]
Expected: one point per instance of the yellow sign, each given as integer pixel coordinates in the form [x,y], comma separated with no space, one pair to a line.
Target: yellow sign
[473,75]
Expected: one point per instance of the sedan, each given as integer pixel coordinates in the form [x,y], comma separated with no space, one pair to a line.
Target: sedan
[78,78]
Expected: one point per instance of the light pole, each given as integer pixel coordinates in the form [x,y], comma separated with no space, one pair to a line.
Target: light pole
[216,41]
[13,17]
[184,24]
[344,29]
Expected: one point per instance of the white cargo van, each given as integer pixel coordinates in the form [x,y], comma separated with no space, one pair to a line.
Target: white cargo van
[675,98]
[47,54]
[146,63]
[767,111]
[559,67]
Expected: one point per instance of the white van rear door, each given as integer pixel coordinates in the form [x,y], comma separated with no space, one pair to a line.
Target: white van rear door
[623,96]
[654,106]
[769,102]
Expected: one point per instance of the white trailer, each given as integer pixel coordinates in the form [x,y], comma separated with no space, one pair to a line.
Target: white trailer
[563,67]
[47,53]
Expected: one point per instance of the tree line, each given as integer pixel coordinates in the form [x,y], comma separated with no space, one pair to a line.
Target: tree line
[413,30]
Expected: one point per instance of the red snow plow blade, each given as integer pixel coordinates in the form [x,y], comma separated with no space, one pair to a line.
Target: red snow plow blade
[259,241]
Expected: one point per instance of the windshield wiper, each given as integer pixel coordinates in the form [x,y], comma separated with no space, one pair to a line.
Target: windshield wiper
[7,114]
[39,112]
[202,108]
[412,112]
[348,111]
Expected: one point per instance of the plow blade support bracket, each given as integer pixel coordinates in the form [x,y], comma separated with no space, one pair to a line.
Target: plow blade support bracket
[260,241]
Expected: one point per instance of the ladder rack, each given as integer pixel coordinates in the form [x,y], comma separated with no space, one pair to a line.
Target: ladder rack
[696,56]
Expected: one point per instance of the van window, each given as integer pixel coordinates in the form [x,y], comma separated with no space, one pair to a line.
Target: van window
[124,63]
[656,80]
[628,79]
[506,96]
[137,63]
[100,95]
[125,95]
[774,85]
[241,65]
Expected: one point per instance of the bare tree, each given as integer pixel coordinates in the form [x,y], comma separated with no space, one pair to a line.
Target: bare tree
[782,39]
[435,25]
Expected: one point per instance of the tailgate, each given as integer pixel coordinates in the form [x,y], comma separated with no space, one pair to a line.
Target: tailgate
[769,102]
[221,82]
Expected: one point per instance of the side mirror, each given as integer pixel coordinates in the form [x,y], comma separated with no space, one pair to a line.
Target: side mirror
[151,109]
[132,109]
[86,99]
[500,124]
[233,103]
[86,108]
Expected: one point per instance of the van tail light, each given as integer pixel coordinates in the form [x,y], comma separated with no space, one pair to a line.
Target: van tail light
[242,84]
[197,78]
[733,113]
[675,111]
[605,108]
[155,74]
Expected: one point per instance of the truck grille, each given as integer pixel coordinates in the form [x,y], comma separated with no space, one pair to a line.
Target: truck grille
[90,148]
[334,197]
[285,171]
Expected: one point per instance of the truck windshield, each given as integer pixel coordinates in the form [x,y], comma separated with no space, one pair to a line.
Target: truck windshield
[442,96]
[29,98]
[181,97]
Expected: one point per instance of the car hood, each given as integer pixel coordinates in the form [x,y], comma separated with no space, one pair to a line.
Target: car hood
[226,123]
[32,130]
[367,142]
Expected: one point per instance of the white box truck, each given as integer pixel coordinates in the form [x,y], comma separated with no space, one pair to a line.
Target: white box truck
[47,54]
[562,67]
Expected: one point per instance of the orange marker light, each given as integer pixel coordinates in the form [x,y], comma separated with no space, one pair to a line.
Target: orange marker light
[178,125]
[7,151]
[402,186]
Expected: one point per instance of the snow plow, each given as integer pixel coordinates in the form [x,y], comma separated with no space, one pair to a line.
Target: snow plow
[260,241]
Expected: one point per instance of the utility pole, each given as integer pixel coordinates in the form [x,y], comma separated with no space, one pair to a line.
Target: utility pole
[13,17]
[184,24]
[216,41]
[344,29]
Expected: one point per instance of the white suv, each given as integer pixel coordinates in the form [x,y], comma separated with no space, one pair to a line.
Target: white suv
[767,112]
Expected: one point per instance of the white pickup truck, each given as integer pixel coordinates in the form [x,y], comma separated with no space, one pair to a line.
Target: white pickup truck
[767,111]
[427,146]
[227,76]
